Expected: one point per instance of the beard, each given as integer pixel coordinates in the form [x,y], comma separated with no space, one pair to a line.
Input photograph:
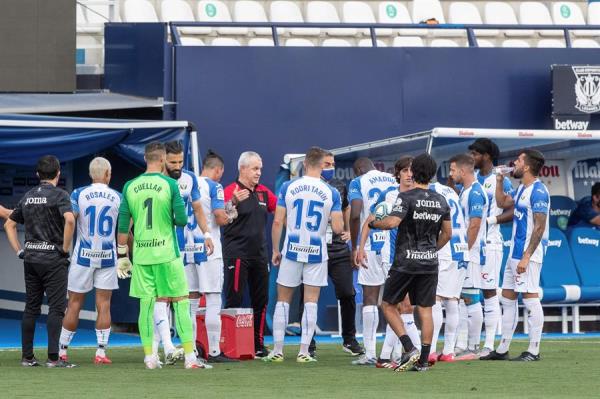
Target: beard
[175,173]
[517,173]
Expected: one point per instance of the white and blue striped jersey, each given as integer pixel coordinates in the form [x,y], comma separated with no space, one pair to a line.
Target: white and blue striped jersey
[97,207]
[388,250]
[529,200]
[309,203]
[474,204]
[190,237]
[489,186]
[457,248]
[368,188]
[212,198]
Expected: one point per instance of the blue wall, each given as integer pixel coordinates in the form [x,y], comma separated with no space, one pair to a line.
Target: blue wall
[278,100]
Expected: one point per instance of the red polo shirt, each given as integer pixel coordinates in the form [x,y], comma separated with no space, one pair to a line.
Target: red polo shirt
[245,237]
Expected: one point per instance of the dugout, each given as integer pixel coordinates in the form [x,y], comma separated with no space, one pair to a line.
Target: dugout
[570,278]
[75,141]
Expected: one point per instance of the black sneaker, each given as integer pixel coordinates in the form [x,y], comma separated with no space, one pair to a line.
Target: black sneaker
[408,360]
[30,362]
[221,358]
[526,357]
[59,364]
[353,347]
[493,355]
[261,352]
[418,366]
[312,348]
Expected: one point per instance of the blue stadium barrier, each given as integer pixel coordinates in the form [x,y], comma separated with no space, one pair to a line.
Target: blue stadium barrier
[559,278]
[585,245]
[561,208]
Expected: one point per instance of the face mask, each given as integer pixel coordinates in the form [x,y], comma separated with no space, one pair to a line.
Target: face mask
[327,174]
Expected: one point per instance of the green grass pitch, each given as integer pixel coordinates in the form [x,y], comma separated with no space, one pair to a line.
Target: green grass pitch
[568,369]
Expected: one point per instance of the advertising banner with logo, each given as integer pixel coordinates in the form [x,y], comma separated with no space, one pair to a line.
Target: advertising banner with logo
[585,173]
[575,90]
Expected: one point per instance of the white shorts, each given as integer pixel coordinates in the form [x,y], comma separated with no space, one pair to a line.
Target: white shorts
[450,279]
[490,272]
[376,273]
[205,277]
[292,273]
[527,282]
[82,278]
[472,276]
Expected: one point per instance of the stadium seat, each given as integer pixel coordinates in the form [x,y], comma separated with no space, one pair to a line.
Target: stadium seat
[334,42]
[261,42]
[358,12]
[559,278]
[585,43]
[91,18]
[225,41]
[392,12]
[298,42]
[369,43]
[569,13]
[324,12]
[408,41]
[467,13]
[138,11]
[98,14]
[593,18]
[180,10]
[501,13]
[485,43]
[426,9]
[288,11]
[585,246]
[192,41]
[515,43]
[251,11]
[444,43]
[550,43]
[535,13]
[217,11]
[561,208]
[82,25]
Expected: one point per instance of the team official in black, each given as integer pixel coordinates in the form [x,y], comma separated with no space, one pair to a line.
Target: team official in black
[49,222]
[422,218]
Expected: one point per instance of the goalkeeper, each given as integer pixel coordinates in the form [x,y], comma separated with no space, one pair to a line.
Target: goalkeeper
[153,201]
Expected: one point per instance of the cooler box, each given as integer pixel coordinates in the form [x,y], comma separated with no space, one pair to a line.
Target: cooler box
[237,333]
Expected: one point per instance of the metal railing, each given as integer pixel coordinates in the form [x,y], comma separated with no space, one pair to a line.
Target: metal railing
[469,28]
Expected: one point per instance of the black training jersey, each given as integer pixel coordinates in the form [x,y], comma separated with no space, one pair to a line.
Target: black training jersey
[338,247]
[41,210]
[422,213]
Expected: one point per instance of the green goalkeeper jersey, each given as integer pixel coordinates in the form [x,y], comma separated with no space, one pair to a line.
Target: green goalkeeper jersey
[153,201]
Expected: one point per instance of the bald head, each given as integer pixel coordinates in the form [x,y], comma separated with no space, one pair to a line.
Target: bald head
[362,165]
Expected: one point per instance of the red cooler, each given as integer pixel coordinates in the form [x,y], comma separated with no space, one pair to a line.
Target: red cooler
[237,333]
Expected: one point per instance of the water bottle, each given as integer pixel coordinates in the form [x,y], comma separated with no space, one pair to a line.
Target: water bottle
[502,170]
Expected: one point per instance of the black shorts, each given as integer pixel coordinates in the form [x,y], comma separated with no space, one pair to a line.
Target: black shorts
[421,288]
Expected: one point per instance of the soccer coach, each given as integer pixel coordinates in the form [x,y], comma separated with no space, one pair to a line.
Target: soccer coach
[49,222]
[245,243]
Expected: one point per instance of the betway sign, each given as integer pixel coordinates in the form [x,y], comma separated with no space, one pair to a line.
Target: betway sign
[569,124]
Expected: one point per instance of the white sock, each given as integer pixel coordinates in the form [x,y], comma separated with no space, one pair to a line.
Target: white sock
[397,352]
[411,329]
[155,341]
[492,314]
[388,343]
[309,324]
[475,313]
[190,357]
[194,303]
[451,306]
[438,319]
[213,323]
[280,321]
[66,337]
[102,338]
[535,320]
[509,323]
[370,322]
[161,321]
[462,332]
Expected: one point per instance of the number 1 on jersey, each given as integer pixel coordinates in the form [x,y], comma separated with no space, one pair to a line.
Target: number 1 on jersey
[148,206]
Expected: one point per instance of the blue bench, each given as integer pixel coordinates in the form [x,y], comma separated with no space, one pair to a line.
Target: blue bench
[585,247]
[561,208]
[559,278]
